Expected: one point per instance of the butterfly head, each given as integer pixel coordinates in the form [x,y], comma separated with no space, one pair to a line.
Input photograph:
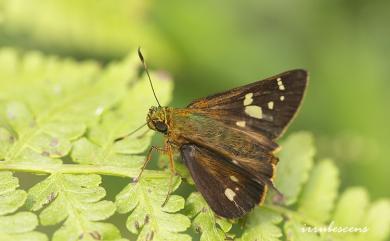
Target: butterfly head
[157,119]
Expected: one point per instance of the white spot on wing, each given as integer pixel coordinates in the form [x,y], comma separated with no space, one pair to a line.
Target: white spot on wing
[248,99]
[271,105]
[230,194]
[236,189]
[233,178]
[235,162]
[280,83]
[241,123]
[254,111]
[282,98]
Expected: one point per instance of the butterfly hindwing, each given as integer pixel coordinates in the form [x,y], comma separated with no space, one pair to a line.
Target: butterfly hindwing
[265,106]
[229,190]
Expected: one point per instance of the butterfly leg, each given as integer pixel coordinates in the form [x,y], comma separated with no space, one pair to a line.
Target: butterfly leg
[148,158]
[172,169]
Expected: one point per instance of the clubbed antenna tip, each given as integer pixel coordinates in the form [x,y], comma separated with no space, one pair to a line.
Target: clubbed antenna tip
[141,57]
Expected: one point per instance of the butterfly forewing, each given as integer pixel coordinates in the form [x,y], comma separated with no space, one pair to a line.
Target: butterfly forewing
[265,106]
[230,191]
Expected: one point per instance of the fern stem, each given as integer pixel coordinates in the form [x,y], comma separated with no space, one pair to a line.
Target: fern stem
[79,169]
[292,215]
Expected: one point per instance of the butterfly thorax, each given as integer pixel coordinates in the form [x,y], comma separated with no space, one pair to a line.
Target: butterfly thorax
[158,119]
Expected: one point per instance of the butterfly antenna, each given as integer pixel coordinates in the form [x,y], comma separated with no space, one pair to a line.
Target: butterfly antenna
[129,134]
[141,57]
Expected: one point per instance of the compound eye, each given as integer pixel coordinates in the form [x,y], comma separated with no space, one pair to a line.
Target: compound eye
[161,126]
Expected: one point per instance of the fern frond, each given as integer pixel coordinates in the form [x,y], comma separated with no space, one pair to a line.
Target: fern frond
[75,199]
[296,160]
[204,220]
[262,224]
[147,217]
[17,226]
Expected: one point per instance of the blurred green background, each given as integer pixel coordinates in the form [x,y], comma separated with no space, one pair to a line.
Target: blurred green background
[210,46]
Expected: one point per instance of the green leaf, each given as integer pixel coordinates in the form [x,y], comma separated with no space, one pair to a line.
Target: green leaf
[377,220]
[76,198]
[349,212]
[12,201]
[319,193]
[262,224]
[10,198]
[19,226]
[147,218]
[295,162]
[204,220]
[35,117]
[351,207]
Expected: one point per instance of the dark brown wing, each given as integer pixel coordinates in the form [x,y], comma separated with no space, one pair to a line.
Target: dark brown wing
[265,106]
[251,151]
[232,133]
[230,191]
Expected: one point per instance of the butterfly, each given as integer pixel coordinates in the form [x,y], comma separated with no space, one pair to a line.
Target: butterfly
[227,140]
